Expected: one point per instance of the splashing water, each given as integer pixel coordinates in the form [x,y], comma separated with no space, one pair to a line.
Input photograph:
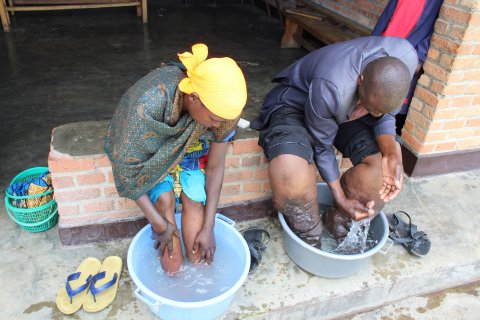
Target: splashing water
[358,240]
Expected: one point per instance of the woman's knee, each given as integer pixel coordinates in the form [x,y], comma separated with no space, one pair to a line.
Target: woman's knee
[166,202]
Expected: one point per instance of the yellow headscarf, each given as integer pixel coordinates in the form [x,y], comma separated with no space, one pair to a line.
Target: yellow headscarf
[219,82]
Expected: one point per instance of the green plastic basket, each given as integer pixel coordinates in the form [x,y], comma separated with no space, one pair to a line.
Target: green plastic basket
[32,219]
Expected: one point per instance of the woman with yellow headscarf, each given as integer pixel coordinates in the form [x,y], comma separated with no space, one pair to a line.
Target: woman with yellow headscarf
[165,128]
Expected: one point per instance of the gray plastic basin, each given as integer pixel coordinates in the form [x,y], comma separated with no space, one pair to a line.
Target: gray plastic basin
[325,264]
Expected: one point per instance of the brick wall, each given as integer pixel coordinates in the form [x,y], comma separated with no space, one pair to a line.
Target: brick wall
[86,193]
[445,111]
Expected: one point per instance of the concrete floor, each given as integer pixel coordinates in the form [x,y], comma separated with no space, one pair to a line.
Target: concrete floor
[63,67]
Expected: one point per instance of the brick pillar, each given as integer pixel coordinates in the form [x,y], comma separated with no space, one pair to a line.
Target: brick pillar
[442,131]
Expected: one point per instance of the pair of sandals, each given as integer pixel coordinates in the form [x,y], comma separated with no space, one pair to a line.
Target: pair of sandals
[406,233]
[93,286]
[257,240]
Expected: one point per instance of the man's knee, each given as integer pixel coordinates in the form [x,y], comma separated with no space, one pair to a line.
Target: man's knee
[364,181]
[291,177]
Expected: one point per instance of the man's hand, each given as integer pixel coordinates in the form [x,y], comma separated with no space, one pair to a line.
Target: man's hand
[392,171]
[205,245]
[392,167]
[165,239]
[355,209]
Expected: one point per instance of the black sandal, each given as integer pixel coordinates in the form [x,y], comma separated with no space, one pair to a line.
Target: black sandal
[416,242]
[257,240]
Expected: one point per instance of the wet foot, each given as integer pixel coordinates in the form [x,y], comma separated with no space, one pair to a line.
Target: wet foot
[337,223]
[312,237]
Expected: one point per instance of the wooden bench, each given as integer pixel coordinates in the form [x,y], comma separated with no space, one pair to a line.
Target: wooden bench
[12,6]
[314,21]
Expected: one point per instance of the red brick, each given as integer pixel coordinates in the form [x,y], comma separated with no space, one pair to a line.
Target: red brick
[433,54]
[462,101]
[110,177]
[435,125]
[231,189]
[473,123]
[453,89]
[62,181]
[251,161]
[473,88]
[445,114]
[101,206]
[414,144]
[66,210]
[267,187]
[465,63]
[123,214]
[225,199]
[247,196]
[435,136]
[435,71]
[426,148]
[467,49]
[468,112]
[441,26]
[476,49]
[457,32]
[471,34]
[102,162]
[445,146]
[232,162]
[124,203]
[233,176]
[444,45]
[91,178]
[475,19]
[77,194]
[446,60]
[468,143]
[246,146]
[459,134]
[262,173]
[454,124]
[455,15]
[110,191]
[66,165]
[252,187]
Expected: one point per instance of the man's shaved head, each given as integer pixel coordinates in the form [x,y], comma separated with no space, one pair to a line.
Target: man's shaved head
[384,84]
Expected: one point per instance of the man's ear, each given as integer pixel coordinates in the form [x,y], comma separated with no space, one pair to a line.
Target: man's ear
[360,80]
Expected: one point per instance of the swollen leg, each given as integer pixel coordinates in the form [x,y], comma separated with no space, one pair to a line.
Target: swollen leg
[361,183]
[294,188]
[364,181]
[166,206]
[192,222]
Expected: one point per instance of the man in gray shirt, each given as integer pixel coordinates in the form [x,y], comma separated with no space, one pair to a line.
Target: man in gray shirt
[345,94]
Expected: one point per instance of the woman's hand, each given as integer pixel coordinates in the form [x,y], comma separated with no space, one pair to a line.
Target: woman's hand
[205,245]
[165,239]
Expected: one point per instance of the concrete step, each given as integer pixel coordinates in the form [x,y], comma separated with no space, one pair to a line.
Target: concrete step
[444,207]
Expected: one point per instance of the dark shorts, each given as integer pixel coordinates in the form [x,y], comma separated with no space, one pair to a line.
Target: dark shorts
[286,134]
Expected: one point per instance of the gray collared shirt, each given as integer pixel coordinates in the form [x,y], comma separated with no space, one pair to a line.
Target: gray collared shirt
[323,84]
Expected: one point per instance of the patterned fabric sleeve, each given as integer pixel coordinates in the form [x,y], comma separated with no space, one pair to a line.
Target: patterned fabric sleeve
[224,130]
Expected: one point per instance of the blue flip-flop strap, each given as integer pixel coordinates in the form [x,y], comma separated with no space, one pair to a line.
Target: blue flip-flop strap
[104,286]
[73,292]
